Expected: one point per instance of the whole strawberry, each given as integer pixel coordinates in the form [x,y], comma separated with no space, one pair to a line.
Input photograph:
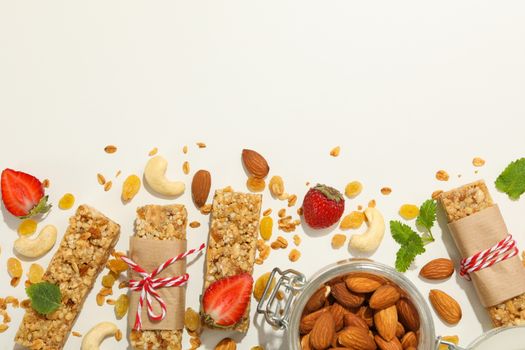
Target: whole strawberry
[323,206]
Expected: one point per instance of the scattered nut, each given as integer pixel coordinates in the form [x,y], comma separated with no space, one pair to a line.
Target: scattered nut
[107,186]
[334,152]
[386,191]
[279,243]
[194,224]
[201,145]
[97,334]
[436,194]
[276,186]
[34,248]
[478,162]
[76,334]
[338,240]
[205,209]
[296,240]
[101,179]
[185,149]
[45,183]
[200,187]
[442,175]
[226,344]
[255,164]
[267,212]
[372,237]
[155,175]
[186,168]
[110,149]
[292,200]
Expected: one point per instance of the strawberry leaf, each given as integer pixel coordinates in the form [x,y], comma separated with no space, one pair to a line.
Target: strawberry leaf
[512,180]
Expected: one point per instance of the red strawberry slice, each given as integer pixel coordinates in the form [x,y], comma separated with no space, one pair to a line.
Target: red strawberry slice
[23,194]
[225,301]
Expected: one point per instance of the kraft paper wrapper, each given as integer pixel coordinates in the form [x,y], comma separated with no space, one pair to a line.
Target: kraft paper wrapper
[149,254]
[472,234]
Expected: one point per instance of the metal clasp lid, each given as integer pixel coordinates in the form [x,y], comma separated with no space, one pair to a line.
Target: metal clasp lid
[451,346]
[291,282]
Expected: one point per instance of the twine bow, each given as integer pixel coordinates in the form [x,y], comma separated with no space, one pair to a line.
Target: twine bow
[503,250]
[149,284]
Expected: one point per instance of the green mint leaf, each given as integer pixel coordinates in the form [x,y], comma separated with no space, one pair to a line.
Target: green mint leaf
[427,214]
[408,252]
[45,297]
[401,233]
[512,180]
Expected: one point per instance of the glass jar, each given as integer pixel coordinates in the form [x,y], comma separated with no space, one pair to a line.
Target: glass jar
[298,291]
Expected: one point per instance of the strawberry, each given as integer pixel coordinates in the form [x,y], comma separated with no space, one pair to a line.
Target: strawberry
[322,206]
[23,194]
[225,301]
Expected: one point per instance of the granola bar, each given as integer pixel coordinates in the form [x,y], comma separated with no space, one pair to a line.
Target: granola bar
[82,254]
[468,200]
[163,223]
[233,238]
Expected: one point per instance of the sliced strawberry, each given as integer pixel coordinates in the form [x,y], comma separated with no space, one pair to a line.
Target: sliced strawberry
[23,194]
[225,301]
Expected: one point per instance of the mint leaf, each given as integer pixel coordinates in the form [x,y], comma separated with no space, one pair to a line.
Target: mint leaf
[512,180]
[427,214]
[411,244]
[45,297]
[401,233]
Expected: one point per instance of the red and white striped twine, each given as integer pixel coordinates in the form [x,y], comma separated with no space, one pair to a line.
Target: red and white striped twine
[503,250]
[148,284]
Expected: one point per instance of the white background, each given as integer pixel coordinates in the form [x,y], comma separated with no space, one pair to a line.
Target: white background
[405,88]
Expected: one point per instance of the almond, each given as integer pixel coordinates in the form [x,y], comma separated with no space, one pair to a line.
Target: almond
[345,297]
[356,338]
[446,307]
[385,321]
[305,342]
[366,314]
[393,344]
[437,269]
[400,330]
[323,332]
[408,314]
[383,297]
[318,299]
[352,320]
[409,340]
[307,322]
[200,187]
[362,284]
[338,313]
[255,164]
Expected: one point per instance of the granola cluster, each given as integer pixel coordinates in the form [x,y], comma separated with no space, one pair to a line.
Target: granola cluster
[163,223]
[82,254]
[468,200]
[233,238]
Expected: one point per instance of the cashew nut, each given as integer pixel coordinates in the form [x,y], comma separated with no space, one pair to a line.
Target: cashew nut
[97,334]
[34,248]
[155,175]
[372,237]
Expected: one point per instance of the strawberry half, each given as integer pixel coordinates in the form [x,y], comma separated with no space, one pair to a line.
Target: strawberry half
[323,206]
[225,301]
[23,194]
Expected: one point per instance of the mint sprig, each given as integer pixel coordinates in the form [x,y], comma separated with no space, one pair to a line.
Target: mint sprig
[512,180]
[45,297]
[427,218]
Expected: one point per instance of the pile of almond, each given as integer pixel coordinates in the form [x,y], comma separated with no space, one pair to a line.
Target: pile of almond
[359,311]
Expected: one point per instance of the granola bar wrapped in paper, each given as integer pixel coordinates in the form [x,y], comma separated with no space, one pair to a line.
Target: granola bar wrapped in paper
[476,224]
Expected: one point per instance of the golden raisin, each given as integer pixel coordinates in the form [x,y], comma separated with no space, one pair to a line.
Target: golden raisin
[109,280]
[353,189]
[36,272]
[296,240]
[294,255]
[478,162]
[110,149]
[409,211]
[153,151]
[226,344]
[27,227]
[338,240]
[118,335]
[14,267]
[386,191]
[265,227]
[100,299]
[121,306]
[66,202]
[101,179]
[117,265]
[353,220]
[130,188]
[192,320]
[255,185]
[260,284]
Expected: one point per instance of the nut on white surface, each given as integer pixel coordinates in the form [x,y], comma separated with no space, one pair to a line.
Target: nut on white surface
[97,334]
[372,237]
[155,175]
[34,248]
